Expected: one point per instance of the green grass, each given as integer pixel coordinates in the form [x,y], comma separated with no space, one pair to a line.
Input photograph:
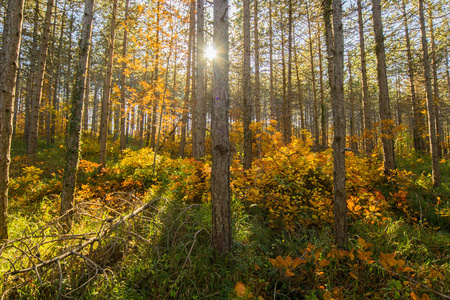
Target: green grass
[170,255]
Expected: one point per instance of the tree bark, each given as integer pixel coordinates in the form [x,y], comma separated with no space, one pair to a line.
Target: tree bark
[246,89]
[31,76]
[387,136]
[313,78]
[436,98]
[256,93]
[74,125]
[353,137]
[123,92]
[107,88]
[220,172]
[436,174]
[323,109]
[340,204]
[419,142]
[368,128]
[39,81]
[271,92]
[287,126]
[198,142]
[9,56]
[187,87]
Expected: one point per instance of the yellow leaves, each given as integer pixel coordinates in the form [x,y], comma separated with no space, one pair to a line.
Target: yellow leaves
[353,275]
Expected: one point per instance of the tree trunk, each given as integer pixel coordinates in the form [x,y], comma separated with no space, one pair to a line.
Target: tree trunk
[436,174]
[187,88]
[323,109]
[39,81]
[74,125]
[87,92]
[95,108]
[300,96]
[33,50]
[272,104]
[246,89]
[256,93]
[123,94]
[436,98]
[387,123]
[368,128]
[340,204]
[353,137]
[49,104]
[419,142]
[9,59]
[281,105]
[198,142]
[55,99]
[329,42]
[220,172]
[287,126]
[313,77]
[107,88]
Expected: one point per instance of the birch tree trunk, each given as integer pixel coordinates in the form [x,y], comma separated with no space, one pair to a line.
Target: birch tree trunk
[74,125]
[9,56]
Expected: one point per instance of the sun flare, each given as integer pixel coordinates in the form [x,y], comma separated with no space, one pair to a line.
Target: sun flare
[210,52]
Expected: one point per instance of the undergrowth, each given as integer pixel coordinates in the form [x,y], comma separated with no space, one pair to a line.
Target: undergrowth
[282,216]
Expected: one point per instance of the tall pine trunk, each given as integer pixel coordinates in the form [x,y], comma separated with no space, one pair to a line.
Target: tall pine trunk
[107,88]
[198,141]
[436,174]
[340,204]
[246,89]
[9,56]
[39,82]
[385,111]
[123,92]
[220,172]
[419,142]
[187,88]
[368,128]
[76,112]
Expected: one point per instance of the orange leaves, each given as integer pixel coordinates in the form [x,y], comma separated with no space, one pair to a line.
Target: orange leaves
[363,243]
[415,297]
[286,264]
[389,262]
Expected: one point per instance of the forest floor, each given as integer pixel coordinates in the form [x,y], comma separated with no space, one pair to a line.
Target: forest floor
[143,231]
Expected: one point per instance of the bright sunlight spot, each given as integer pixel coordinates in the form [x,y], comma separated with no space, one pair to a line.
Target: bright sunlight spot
[210,52]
